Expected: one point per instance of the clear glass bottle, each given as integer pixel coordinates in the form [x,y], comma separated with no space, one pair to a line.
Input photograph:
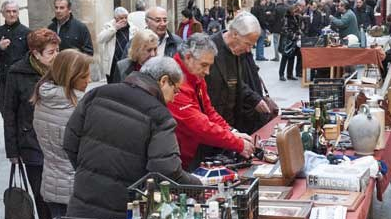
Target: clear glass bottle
[136,210]
[197,211]
[213,210]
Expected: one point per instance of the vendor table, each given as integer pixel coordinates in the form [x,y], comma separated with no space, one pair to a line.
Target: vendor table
[364,209]
[321,57]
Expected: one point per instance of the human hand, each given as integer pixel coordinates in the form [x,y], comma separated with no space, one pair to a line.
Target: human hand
[248,149]
[120,24]
[243,136]
[14,160]
[262,107]
[4,43]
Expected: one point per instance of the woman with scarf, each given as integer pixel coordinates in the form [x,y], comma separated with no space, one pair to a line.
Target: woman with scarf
[55,98]
[189,25]
[20,138]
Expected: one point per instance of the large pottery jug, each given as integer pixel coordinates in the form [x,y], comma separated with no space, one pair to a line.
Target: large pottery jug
[364,131]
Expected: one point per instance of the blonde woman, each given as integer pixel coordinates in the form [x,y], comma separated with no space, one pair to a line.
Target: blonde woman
[143,47]
[55,97]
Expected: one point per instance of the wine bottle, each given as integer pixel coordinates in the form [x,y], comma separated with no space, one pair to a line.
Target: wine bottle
[166,208]
[150,196]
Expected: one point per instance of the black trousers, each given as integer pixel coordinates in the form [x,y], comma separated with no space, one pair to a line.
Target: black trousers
[2,93]
[284,60]
[299,65]
[34,176]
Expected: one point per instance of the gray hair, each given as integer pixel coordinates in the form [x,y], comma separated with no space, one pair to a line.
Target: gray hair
[196,44]
[140,5]
[157,8]
[245,23]
[120,11]
[157,67]
[8,2]
[68,1]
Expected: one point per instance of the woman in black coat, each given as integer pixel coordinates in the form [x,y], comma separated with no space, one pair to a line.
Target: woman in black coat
[290,32]
[20,138]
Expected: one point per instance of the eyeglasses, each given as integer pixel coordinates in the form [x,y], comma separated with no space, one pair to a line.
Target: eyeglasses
[176,89]
[158,19]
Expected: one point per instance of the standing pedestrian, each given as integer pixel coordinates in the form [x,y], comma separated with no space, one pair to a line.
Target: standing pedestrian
[113,37]
[55,97]
[73,33]
[13,42]
[19,134]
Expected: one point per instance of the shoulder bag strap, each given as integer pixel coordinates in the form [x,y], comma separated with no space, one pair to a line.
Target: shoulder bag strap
[12,176]
[22,172]
[264,87]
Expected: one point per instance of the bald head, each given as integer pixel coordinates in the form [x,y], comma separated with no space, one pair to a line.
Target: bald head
[156,19]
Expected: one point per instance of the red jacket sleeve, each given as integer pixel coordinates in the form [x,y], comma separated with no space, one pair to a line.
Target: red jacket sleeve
[188,115]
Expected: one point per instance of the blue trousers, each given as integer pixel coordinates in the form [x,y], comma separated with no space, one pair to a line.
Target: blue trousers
[259,53]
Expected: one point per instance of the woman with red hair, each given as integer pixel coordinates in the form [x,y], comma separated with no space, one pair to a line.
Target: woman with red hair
[20,138]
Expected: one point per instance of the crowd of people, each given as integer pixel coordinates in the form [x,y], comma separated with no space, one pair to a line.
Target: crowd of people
[171,99]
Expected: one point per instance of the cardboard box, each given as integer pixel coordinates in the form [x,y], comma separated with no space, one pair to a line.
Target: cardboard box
[327,176]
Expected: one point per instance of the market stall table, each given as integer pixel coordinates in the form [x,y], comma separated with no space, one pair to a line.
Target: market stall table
[321,57]
[364,209]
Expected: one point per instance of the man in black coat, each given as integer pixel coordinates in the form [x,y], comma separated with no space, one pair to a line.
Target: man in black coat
[275,27]
[217,13]
[227,91]
[312,20]
[120,132]
[73,33]
[13,43]
[365,15]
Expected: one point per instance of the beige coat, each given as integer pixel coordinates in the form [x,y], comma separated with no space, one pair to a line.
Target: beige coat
[106,39]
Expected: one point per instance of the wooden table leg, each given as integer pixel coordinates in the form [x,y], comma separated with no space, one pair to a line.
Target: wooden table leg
[332,72]
[304,82]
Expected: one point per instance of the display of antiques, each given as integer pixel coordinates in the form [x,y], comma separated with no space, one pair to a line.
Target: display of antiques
[156,196]
[324,197]
[284,209]
[275,192]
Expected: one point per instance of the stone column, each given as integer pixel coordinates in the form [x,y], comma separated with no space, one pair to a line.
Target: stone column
[23,12]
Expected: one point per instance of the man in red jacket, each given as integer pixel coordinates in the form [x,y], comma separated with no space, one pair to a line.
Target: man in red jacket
[198,122]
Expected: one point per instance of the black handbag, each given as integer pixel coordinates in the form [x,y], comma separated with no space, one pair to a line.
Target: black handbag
[17,201]
[287,47]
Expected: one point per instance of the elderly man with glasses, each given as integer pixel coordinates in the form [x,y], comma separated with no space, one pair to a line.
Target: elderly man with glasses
[199,125]
[156,19]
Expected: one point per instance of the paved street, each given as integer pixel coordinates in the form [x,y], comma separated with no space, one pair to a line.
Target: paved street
[285,94]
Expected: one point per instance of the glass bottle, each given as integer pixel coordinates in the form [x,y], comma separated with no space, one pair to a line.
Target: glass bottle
[318,131]
[129,211]
[166,207]
[136,210]
[213,210]
[197,211]
[363,37]
[182,206]
[306,138]
[150,196]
